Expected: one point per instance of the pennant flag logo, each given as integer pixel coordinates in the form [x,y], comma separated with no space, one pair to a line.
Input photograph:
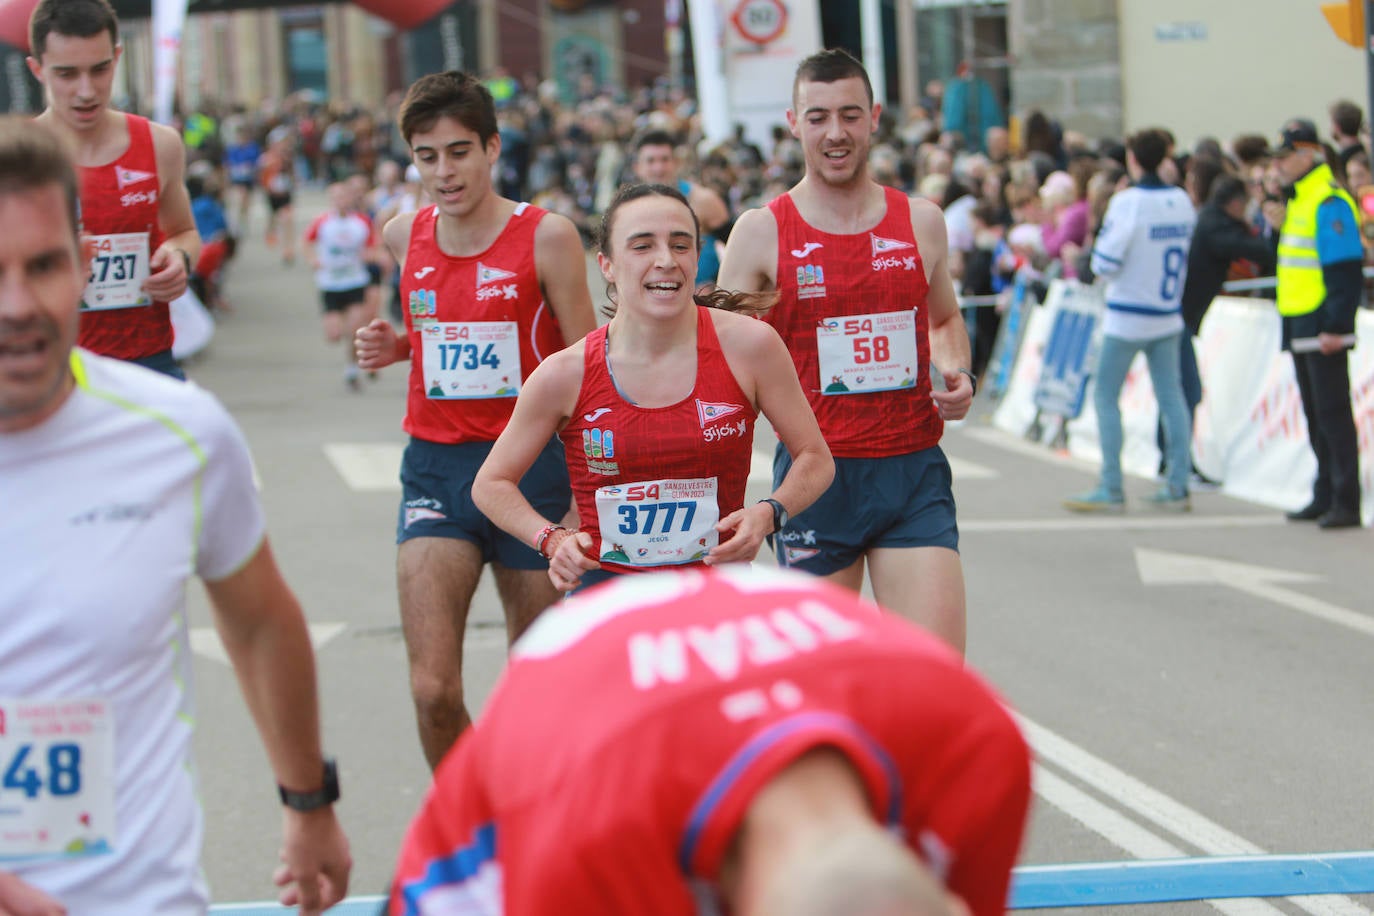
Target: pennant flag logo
[883,246]
[487,274]
[709,413]
[126,177]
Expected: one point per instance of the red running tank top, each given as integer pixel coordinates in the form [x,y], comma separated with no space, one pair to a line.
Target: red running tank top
[610,442]
[122,196]
[441,292]
[824,277]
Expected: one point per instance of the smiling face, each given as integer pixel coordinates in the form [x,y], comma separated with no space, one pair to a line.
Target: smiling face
[454,165]
[42,276]
[651,253]
[77,75]
[835,123]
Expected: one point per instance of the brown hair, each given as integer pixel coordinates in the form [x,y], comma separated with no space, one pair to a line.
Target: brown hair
[831,66]
[451,94]
[31,156]
[1348,117]
[716,298]
[77,18]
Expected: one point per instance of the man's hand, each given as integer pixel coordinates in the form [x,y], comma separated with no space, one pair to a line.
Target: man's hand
[375,345]
[954,402]
[18,898]
[315,861]
[1275,211]
[1331,343]
[167,279]
[750,524]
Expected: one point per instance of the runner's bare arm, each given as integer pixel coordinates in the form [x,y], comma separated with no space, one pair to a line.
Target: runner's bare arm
[751,256]
[168,274]
[265,636]
[949,346]
[561,265]
[546,401]
[377,344]
[23,899]
[772,383]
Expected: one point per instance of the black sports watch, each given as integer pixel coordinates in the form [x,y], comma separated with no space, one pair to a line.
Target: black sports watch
[780,515]
[327,794]
[973,379]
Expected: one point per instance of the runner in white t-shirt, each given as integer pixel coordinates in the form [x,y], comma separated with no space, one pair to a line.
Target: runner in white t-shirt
[340,244]
[118,484]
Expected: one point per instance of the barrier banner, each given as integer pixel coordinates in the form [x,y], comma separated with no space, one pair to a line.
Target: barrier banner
[1071,353]
[1016,409]
[1249,431]
[1269,458]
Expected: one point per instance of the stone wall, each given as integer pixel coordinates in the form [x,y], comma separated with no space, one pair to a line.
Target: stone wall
[1066,62]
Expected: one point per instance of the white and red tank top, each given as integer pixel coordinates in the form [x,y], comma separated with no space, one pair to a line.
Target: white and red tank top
[119,200]
[477,326]
[853,314]
[650,482]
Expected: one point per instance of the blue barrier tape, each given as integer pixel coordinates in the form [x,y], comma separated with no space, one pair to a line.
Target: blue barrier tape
[1099,883]
[353,906]
[1207,878]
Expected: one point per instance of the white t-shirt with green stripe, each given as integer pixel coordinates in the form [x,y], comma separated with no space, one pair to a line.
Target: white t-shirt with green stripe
[106,510]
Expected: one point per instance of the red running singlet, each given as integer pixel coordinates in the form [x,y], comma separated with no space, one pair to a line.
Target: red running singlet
[854,289]
[477,326]
[116,198]
[612,444]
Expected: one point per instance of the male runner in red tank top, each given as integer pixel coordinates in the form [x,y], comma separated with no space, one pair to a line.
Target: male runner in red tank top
[741,740]
[491,287]
[134,204]
[867,309]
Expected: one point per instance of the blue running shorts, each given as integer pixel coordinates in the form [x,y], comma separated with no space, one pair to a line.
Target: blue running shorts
[436,498]
[897,501]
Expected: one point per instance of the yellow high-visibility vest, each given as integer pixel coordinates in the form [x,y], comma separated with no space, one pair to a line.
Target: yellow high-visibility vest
[1301,287]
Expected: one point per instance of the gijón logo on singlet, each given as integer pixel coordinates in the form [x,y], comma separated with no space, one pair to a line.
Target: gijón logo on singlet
[487,275]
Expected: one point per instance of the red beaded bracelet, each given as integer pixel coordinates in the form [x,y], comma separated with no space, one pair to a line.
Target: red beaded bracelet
[543,536]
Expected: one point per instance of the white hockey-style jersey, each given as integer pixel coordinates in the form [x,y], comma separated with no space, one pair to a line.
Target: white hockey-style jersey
[1142,251]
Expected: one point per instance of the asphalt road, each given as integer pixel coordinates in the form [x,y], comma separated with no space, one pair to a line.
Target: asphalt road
[1193,684]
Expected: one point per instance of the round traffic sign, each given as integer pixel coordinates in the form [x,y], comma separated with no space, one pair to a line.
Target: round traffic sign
[759,21]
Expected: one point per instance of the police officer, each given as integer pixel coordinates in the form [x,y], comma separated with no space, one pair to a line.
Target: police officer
[1320,284]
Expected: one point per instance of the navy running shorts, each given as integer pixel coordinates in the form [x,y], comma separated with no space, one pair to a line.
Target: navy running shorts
[436,498]
[897,501]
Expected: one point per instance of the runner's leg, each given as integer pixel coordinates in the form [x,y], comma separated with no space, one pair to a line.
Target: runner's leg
[925,585]
[525,593]
[435,579]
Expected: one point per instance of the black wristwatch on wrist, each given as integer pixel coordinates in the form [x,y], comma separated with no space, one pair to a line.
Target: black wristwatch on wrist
[186,259]
[327,794]
[780,515]
[972,379]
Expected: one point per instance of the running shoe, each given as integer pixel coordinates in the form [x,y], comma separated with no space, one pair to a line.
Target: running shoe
[1169,501]
[1098,500]
[1201,482]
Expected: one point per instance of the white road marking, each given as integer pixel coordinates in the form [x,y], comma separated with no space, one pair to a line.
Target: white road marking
[205,641]
[1127,835]
[968,470]
[370,467]
[1160,567]
[1151,522]
[1158,809]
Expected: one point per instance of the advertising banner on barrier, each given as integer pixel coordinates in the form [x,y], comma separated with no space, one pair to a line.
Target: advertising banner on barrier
[1071,353]
[1249,430]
